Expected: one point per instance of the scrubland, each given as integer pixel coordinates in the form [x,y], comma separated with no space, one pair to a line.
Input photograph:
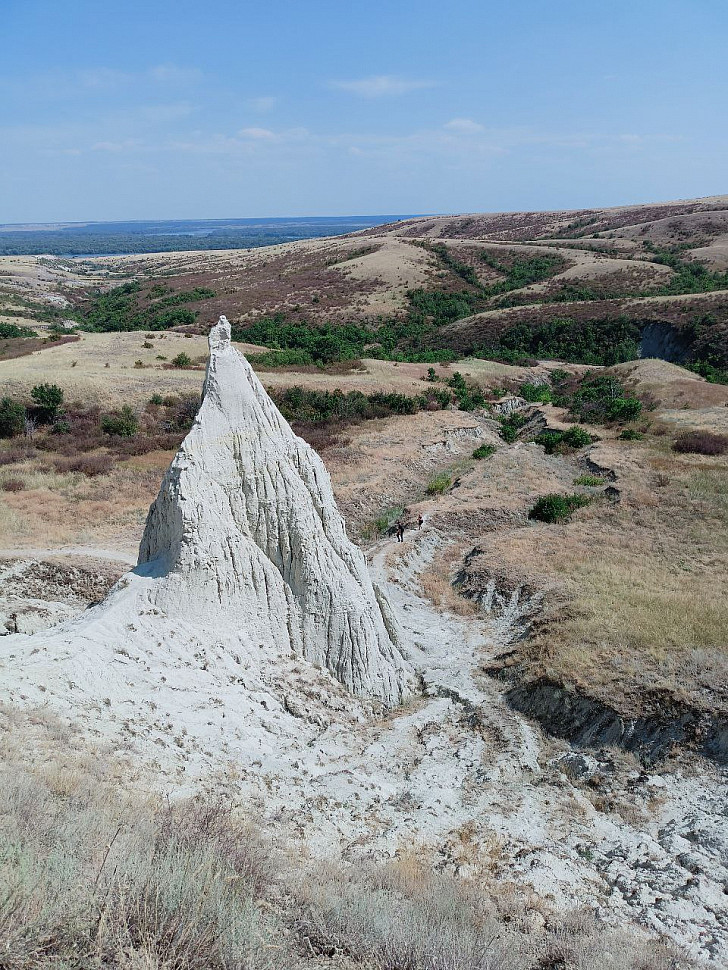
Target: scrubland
[621,598]
[94,877]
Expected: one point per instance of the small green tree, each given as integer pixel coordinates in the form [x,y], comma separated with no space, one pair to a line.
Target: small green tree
[181,360]
[557,508]
[48,399]
[12,418]
[123,423]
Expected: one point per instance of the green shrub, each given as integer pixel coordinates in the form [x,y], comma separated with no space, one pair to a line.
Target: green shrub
[302,405]
[382,523]
[10,330]
[439,484]
[123,423]
[468,396]
[484,451]
[576,437]
[549,440]
[156,399]
[557,508]
[573,437]
[536,393]
[511,425]
[624,409]
[48,398]
[601,398]
[12,418]
[182,360]
[597,341]
[591,481]
[629,434]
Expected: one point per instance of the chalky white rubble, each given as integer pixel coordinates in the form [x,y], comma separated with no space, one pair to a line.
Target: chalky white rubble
[244,562]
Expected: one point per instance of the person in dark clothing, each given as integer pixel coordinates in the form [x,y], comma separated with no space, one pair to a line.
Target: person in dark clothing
[400,530]
[420,520]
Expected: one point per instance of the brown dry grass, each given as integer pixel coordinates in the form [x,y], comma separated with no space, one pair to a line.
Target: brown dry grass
[436,582]
[56,509]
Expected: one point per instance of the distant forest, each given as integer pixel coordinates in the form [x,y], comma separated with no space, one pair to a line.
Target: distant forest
[118,238]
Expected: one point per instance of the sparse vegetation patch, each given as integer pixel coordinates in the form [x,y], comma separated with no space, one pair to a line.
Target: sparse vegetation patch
[701,443]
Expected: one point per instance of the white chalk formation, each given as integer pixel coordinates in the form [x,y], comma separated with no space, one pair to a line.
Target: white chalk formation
[244,571]
[245,535]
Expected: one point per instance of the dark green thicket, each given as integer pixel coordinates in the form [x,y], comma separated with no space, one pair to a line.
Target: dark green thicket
[520,271]
[572,438]
[535,393]
[690,276]
[484,451]
[599,399]
[602,342]
[123,423]
[12,418]
[301,343]
[126,308]
[557,508]
[8,331]
[468,396]
[301,405]
[47,399]
[510,426]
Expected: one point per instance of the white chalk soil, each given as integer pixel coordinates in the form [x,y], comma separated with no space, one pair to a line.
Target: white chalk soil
[454,773]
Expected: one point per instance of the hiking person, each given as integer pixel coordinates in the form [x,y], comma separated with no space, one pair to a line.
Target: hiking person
[400,530]
[420,520]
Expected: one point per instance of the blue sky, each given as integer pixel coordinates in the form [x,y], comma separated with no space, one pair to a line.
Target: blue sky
[214,108]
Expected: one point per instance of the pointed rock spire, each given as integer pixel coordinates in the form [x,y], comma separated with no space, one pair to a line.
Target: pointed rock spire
[245,537]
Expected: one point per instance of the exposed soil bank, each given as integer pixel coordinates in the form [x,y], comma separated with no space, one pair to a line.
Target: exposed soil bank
[583,721]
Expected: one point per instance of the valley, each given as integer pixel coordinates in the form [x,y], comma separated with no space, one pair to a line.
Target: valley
[566,745]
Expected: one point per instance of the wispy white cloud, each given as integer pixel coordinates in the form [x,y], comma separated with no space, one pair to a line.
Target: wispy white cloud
[465,126]
[116,147]
[258,133]
[263,104]
[381,86]
[173,74]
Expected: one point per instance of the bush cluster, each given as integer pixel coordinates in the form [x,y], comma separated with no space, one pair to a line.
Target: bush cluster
[535,393]
[298,404]
[511,425]
[439,484]
[573,438]
[598,341]
[596,398]
[484,451]
[557,508]
[9,331]
[123,423]
[12,418]
[126,307]
[468,396]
